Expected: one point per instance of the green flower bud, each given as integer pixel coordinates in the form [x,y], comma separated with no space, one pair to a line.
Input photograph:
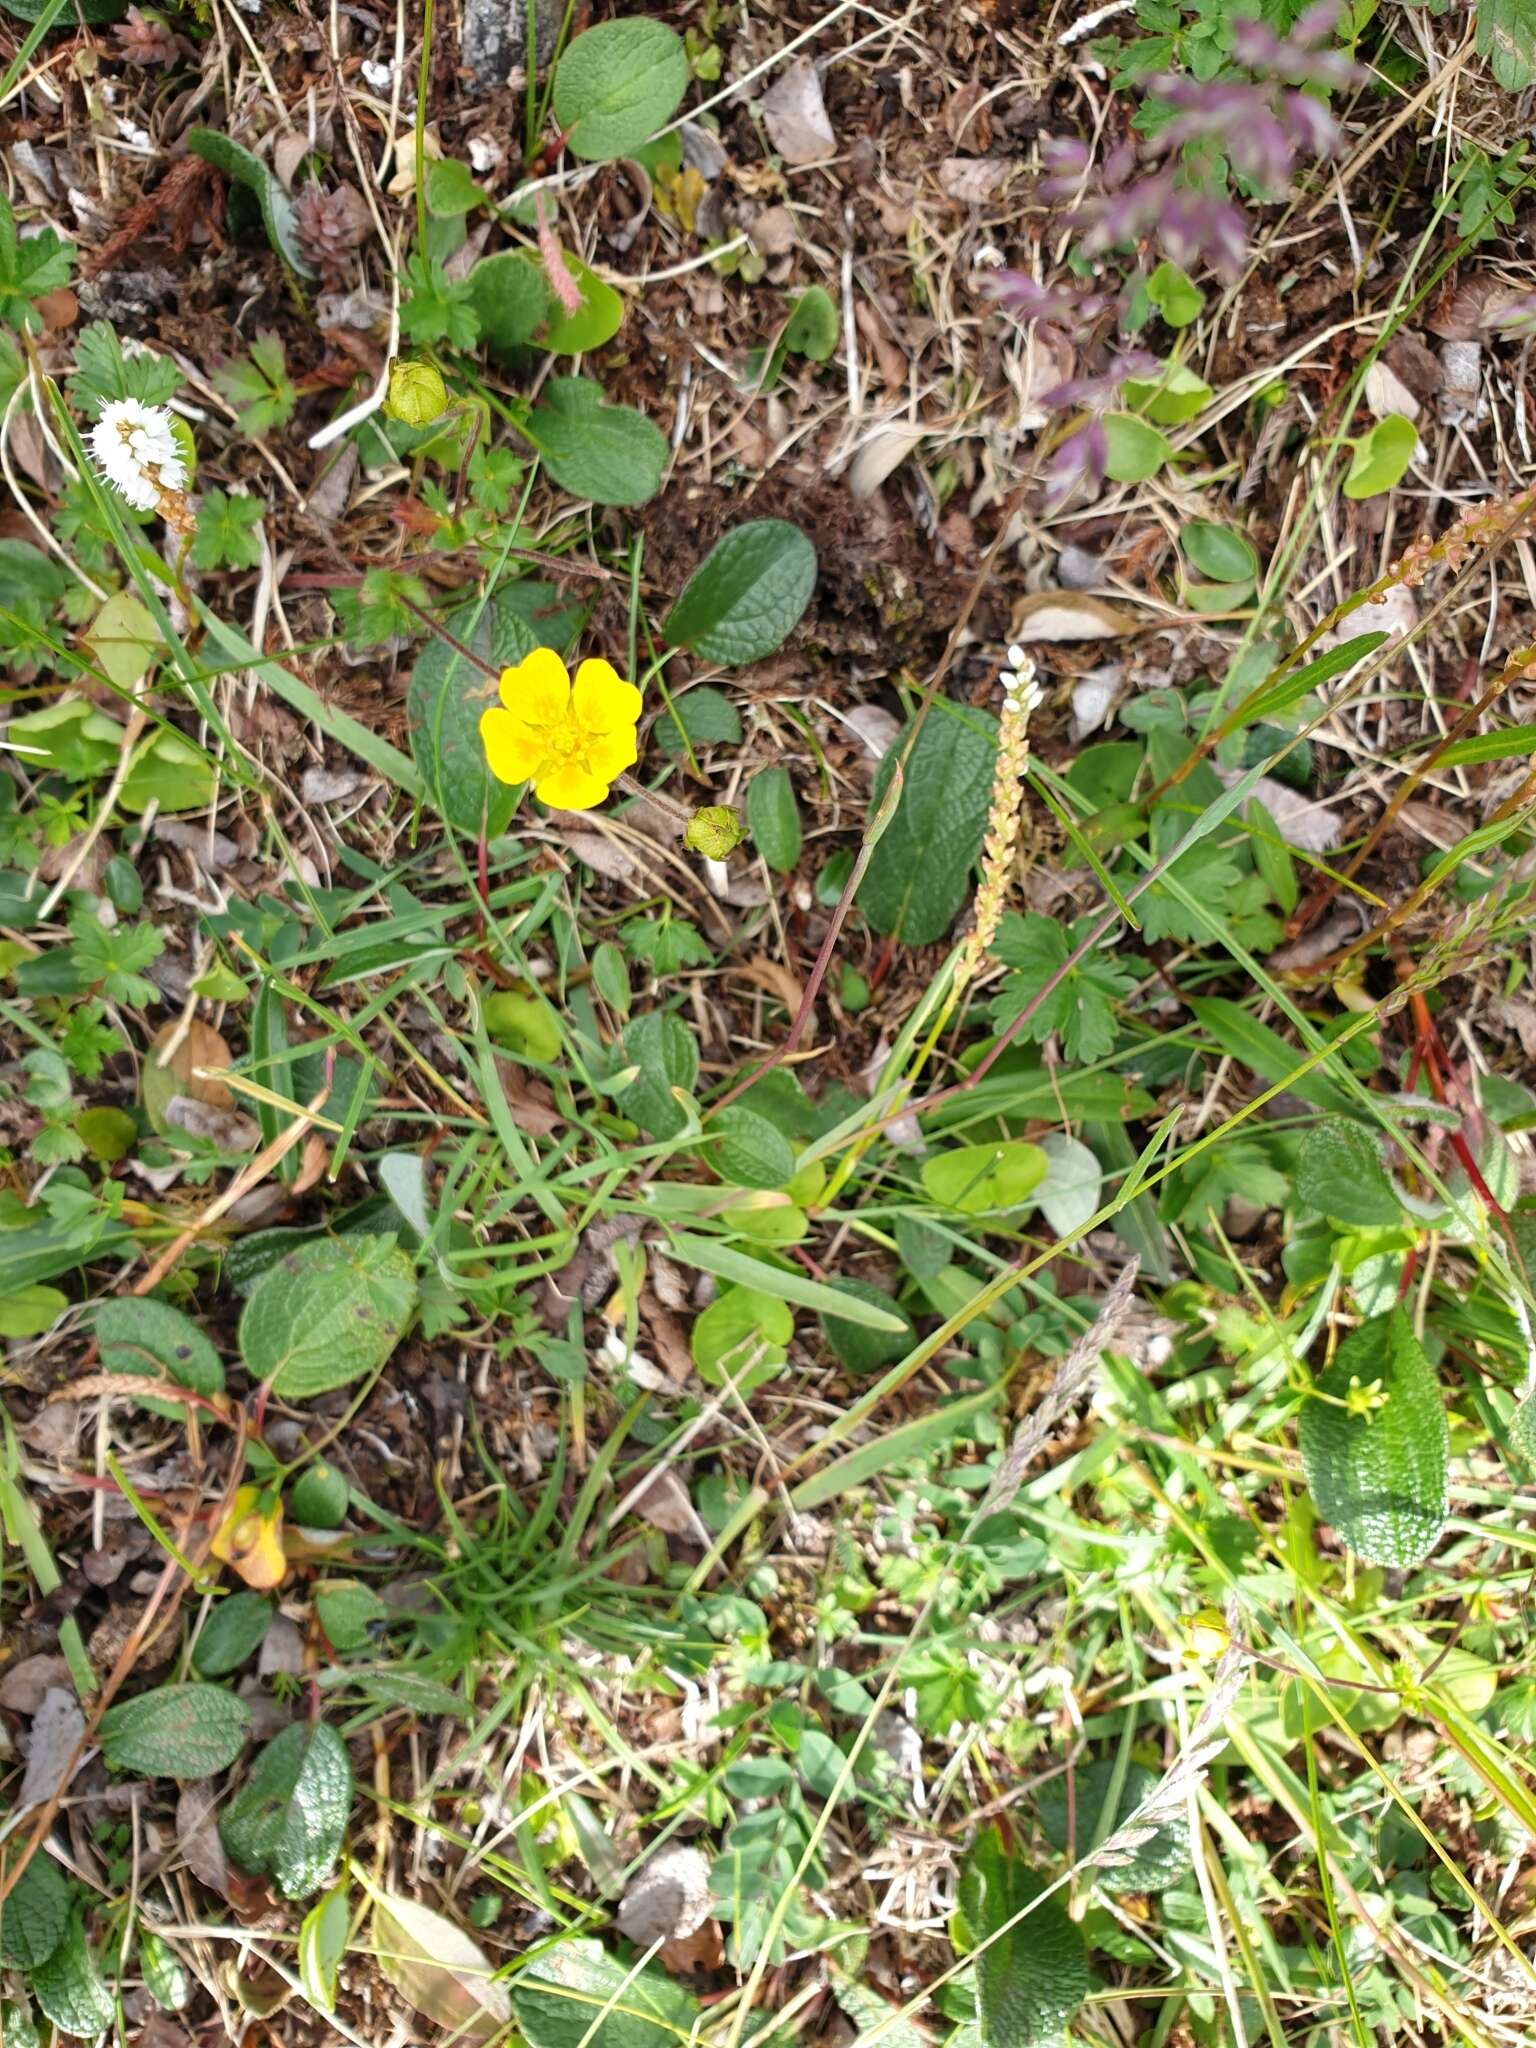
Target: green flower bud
[713,830]
[417,393]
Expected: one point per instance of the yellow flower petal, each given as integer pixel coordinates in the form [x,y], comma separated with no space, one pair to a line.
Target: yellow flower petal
[602,699]
[250,1539]
[538,690]
[568,786]
[512,752]
[608,754]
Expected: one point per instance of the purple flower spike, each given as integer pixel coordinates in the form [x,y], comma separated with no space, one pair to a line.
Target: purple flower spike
[1079,460]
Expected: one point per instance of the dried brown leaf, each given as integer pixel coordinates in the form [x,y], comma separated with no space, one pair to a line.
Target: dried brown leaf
[1059,617]
[795,115]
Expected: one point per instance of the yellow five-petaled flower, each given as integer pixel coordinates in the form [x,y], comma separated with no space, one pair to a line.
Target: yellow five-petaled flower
[570,740]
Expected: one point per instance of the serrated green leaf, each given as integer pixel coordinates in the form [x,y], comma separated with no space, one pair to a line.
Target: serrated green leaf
[1032,1979]
[443,703]
[1340,1174]
[175,1731]
[31,266]
[773,818]
[920,871]
[510,297]
[35,1916]
[348,1614]
[139,1335]
[575,1986]
[1379,1478]
[234,1631]
[609,454]
[69,1989]
[288,1819]
[327,1313]
[664,1049]
[705,716]
[616,85]
[745,1148]
[747,595]
[104,373]
[1506,36]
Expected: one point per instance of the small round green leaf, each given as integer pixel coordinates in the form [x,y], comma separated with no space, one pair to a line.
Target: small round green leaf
[596,320]
[1173,396]
[978,1179]
[1175,295]
[318,1497]
[1219,553]
[773,817]
[609,454]
[812,327]
[1134,448]
[349,1614]
[741,1334]
[747,595]
[234,1631]
[1380,458]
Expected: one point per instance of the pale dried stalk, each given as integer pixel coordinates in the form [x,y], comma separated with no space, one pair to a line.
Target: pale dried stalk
[1021,694]
[1074,1376]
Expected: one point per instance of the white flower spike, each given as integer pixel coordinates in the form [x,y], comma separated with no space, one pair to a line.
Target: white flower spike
[135,449]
